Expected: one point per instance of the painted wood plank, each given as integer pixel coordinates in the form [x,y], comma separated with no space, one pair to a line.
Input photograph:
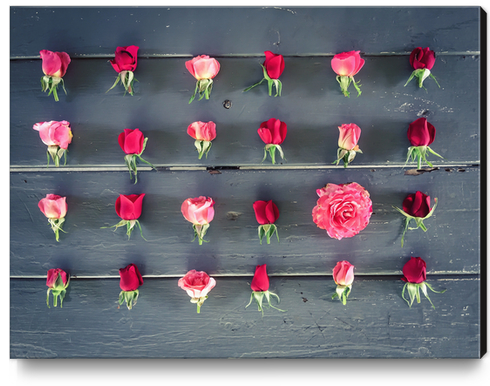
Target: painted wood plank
[452,243]
[239,30]
[375,323]
[312,106]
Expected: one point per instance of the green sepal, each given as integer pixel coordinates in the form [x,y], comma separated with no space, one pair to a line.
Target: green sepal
[204,88]
[56,153]
[267,230]
[259,297]
[342,292]
[129,227]
[414,292]
[421,74]
[202,147]
[199,302]
[51,83]
[58,290]
[419,153]
[200,232]
[346,155]
[130,297]
[419,221]
[56,224]
[271,148]
[345,81]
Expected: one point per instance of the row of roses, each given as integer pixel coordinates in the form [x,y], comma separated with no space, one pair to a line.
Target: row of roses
[198,284]
[342,210]
[57,135]
[204,68]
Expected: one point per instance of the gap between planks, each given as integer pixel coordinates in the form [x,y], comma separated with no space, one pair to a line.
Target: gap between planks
[163,167]
[252,55]
[438,275]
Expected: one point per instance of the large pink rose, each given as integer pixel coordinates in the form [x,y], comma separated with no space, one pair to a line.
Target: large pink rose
[54,133]
[342,210]
[197,284]
[198,210]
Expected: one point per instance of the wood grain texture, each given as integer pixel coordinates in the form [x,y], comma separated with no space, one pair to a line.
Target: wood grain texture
[312,105]
[375,323]
[451,243]
[238,30]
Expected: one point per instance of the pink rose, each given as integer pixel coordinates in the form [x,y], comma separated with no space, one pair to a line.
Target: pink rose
[197,284]
[347,63]
[198,210]
[343,273]
[53,206]
[349,136]
[342,210]
[203,67]
[52,277]
[54,133]
[57,281]
[202,131]
[54,63]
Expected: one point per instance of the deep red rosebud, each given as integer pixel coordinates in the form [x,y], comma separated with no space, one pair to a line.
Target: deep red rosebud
[417,204]
[266,212]
[273,131]
[131,141]
[414,270]
[274,64]
[131,278]
[52,276]
[126,58]
[260,282]
[129,207]
[422,58]
[421,133]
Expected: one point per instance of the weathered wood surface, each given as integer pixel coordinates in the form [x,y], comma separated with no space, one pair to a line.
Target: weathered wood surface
[451,243]
[376,321]
[164,324]
[312,105]
[238,30]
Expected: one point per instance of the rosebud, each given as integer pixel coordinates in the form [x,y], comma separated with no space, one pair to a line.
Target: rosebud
[125,62]
[204,69]
[346,65]
[266,213]
[130,281]
[133,143]
[272,133]
[343,275]
[422,60]
[260,288]
[128,208]
[200,212]
[54,65]
[203,133]
[57,281]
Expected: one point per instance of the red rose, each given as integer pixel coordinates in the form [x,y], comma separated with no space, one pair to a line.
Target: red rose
[131,278]
[260,282]
[273,131]
[126,58]
[55,63]
[274,64]
[131,141]
[417,205]
[129,207]
[421,133]
[343,273]
[422,58]
[347,63]
[52,276]
[414,270]
[266,212]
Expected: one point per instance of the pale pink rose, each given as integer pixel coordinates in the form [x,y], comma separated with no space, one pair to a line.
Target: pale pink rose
[54,133]
[349,136]
[197,284]
[202,131]
[342,210]
[198,210]
[53,206]
[203,67]
[343,273]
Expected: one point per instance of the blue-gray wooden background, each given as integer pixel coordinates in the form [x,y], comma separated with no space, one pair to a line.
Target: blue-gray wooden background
[376,322]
